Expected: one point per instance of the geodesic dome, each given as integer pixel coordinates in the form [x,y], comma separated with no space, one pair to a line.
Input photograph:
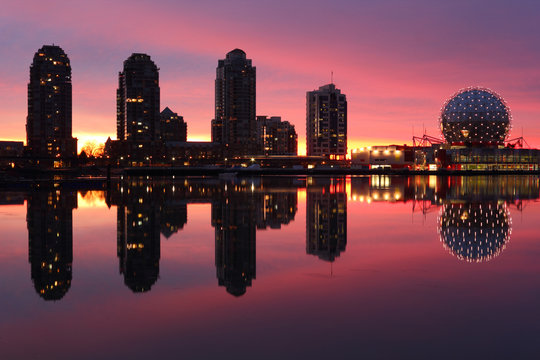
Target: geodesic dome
[475,116]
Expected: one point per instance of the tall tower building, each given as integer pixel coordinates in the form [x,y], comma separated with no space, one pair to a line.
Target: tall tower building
[48,125]
[137,99]
[235,105]
[326,122]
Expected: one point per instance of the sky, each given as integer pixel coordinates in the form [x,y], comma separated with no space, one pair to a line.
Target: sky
[397,61]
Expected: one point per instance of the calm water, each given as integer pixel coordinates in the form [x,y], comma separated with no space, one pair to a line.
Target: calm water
[273,268]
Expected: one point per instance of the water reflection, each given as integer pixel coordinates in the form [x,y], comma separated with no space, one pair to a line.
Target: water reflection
[50,241]
[474,222]
[326,218]
[138,239]
[234,223]
[475,232]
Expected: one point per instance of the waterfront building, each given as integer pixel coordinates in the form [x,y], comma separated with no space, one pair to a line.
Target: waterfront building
[234,124]
[475,116]
[138,118]
[326,122]
[10,153]
[173,127]
[48,125]
[276,137]
[382,157]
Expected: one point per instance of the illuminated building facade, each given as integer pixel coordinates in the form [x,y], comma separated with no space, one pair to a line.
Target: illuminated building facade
[234,124]
[276,137]
[50,241]
[326,122]
[382,157]
[137,109]
[326,218]
[48,125]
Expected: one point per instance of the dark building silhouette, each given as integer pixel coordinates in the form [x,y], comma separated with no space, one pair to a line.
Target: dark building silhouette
[326,218]
[234,123]
[138,232]
[138,116]
[50,241]
[326,122]
[235,227]
[48,125]
[173,127]
[276,137]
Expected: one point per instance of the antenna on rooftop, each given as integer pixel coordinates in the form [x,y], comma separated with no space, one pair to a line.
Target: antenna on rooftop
[331,77]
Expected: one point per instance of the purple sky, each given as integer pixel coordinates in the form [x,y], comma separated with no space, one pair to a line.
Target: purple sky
[396,61]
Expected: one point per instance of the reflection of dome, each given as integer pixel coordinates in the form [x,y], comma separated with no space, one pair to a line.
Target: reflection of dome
[475,232]
[475,115]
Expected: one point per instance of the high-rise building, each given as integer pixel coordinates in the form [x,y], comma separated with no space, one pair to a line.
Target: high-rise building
[276,137]
[326,122]
[173,127]
[48,125]
[138,117]
[235,105]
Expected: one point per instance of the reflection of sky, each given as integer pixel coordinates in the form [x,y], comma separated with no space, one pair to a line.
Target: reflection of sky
[396,61]
[393,283]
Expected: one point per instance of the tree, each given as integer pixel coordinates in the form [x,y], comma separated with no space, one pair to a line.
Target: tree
[93,149]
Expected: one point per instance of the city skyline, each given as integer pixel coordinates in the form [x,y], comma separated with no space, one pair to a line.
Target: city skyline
[395,73]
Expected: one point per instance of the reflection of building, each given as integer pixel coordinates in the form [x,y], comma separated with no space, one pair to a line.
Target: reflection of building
[475,232]
[326,122]
[235,104]
[276,209]
[48,126]
[326,219]
[50,241]
[173,216]
[235,225]
[276,137]
[138,226]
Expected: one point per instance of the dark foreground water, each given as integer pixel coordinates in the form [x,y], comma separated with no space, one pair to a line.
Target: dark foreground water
[273,268]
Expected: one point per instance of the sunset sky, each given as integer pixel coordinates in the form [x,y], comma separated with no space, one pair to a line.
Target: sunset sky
[397,61]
